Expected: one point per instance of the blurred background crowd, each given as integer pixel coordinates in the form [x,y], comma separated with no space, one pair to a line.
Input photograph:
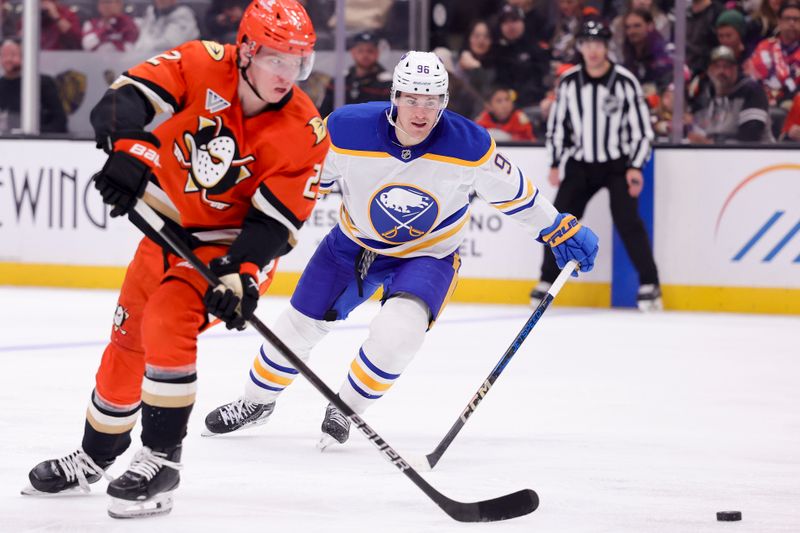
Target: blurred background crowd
[742,57]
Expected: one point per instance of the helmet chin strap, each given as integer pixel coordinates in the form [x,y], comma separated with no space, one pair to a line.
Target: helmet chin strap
[397,126]
[243,71]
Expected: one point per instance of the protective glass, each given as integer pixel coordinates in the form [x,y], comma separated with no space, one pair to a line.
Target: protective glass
[287,66]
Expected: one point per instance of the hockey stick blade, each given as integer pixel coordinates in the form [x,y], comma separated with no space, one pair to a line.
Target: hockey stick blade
[505,507]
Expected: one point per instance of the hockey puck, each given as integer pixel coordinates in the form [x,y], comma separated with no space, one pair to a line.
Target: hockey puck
[729,516]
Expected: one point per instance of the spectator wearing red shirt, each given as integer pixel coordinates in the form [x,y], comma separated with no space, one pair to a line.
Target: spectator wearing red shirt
[791,126]
[502,120]
[61,29]
[776,60]
[113,30]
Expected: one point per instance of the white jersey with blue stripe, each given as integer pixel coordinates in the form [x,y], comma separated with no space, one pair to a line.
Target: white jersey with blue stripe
[410,201]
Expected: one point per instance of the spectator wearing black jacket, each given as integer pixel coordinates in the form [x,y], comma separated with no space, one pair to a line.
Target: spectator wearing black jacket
[701,17]
[222,20]
[52,118]
[521,65]
[367,80]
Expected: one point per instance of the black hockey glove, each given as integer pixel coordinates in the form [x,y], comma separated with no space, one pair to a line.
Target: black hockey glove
[122,181]
[131,156]
[235,301]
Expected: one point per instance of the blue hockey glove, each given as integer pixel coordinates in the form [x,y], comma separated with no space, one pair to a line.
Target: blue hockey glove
[570,240]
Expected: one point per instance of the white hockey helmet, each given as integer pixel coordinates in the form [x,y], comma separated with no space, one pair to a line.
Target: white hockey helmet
[420,73]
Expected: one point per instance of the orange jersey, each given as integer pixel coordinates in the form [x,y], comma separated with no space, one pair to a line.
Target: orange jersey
[213,159]
[517,125]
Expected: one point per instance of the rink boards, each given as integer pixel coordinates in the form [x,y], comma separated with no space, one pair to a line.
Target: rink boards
[726,230]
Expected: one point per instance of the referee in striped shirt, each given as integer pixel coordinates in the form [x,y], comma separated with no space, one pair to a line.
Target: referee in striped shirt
[600,128]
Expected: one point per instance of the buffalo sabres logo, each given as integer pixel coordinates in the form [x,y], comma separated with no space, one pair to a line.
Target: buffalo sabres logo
[213,161]
[120,316]
[402,213]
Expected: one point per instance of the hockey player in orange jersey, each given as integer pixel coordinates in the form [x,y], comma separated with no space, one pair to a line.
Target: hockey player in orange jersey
[236,170]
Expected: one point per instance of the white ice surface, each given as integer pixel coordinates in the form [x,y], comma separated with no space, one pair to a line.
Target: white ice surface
[622,422]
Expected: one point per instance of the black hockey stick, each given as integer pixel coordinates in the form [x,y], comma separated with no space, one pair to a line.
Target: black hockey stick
[508,506]
[433,457]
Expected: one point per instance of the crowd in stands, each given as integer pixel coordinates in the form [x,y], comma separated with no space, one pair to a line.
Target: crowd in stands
[741,71]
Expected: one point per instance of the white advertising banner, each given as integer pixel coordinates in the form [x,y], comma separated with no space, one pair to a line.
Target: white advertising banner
[728,217]
[50,213]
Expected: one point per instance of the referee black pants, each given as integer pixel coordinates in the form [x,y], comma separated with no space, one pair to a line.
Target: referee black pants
[581,182]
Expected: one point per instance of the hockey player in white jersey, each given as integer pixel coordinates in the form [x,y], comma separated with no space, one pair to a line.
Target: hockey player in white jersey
[406,169]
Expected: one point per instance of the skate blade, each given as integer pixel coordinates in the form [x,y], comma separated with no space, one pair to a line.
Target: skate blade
[31,491]
[651,306]
[157,505]
[325,441]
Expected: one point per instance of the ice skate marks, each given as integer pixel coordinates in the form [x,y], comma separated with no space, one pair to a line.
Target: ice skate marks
[402,213]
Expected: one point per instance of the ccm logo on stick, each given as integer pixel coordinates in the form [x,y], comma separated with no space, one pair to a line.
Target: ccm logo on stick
[473,404]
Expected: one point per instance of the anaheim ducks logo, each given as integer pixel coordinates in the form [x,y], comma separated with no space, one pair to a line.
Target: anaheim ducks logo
[213,161]
[318,128]
[214,49]
[120,316]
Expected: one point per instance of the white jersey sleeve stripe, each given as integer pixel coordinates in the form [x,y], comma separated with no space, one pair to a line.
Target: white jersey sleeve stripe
[520,192]
[530,190]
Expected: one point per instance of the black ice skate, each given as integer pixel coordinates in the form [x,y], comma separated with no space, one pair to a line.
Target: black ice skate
[649,298]
[335,427]
[538,293]
[73,472]
[145,489]
[237,415]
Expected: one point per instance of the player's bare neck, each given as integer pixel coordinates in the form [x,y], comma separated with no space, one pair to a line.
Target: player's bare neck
[405,139]
[251,104]
[252,109]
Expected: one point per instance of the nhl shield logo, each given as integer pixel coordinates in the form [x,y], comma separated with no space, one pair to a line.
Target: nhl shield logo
[405,154]
[402,213]
[610,104]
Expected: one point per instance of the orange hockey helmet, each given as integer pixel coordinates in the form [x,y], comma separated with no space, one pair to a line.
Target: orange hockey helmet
[281,25]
